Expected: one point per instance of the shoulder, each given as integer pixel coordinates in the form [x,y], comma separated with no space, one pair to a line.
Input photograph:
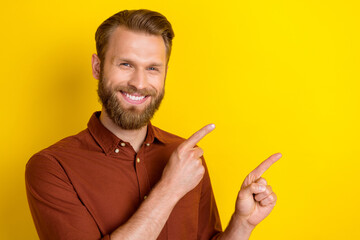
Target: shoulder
[80,141]
[167,137]
[48,156]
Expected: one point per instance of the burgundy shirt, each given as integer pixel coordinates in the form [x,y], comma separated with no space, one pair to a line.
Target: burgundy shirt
[87,185]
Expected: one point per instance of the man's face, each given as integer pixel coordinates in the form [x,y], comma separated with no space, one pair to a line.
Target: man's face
[131,83]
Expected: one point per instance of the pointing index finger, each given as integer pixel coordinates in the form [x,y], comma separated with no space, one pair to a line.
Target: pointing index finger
[196,137]
[259,170]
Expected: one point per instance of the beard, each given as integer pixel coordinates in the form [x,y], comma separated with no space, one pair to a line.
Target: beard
[128,118]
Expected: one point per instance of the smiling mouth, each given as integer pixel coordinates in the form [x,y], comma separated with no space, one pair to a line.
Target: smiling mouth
[134,98]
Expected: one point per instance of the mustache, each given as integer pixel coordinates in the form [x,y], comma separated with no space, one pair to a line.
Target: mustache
[134,90]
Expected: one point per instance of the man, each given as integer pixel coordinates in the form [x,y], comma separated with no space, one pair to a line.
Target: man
[122,178]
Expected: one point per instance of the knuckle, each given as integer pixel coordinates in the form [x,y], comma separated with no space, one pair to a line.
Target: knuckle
[251,177]
[270,198]
[254,187]
[241,194]
[191,154]
[274,197]
[263,203]
[180,148]
[202,170]
[177,151]
[267,190]
[248,180]
[178,155]
[263,181]
[196,135]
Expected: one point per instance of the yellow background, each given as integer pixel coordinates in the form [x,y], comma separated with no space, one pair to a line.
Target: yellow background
[274,76]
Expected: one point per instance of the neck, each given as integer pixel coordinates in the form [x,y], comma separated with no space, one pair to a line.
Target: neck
[134,137]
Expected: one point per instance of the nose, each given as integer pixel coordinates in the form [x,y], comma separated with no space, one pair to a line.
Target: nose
[138,79]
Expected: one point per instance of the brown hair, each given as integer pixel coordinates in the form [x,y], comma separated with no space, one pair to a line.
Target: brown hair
[142,20]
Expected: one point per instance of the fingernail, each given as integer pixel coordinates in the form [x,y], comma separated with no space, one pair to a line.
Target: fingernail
[212,126]
[262,188]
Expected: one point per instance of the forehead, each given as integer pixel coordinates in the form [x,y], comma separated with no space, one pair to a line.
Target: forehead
[137,46]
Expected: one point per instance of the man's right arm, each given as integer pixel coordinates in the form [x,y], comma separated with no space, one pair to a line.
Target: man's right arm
[183,172]
[150,217]
[58,214]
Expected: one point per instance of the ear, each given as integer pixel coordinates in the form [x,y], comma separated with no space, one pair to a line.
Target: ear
[95,64]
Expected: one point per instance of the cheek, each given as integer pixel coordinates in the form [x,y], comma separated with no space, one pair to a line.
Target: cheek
[159,88]
[157,81]
[117,78]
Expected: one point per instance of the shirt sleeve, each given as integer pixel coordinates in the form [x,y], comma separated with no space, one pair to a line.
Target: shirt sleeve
[209,220]
[57,211]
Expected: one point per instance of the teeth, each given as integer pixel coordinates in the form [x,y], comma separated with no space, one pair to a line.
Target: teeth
[134,98]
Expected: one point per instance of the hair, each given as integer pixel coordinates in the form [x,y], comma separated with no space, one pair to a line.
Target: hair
[141,20]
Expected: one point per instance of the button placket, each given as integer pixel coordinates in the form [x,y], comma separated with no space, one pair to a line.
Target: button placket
[142,176]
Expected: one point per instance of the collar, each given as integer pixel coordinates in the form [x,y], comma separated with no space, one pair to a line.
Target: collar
[109,141]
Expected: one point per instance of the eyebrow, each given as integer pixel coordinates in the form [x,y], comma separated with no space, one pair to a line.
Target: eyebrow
[115,59]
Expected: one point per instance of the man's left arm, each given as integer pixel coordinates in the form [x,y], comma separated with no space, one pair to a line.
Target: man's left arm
[255,201]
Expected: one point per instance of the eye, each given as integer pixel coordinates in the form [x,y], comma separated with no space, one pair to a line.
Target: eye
[153,69]
[125,64]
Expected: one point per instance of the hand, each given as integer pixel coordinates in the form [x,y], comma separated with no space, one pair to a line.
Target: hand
[256,199]
[184,169]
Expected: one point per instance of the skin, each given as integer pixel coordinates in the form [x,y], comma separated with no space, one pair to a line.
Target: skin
[143,53]
[132,59]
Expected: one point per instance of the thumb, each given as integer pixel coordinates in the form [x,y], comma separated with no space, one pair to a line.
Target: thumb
[251,189]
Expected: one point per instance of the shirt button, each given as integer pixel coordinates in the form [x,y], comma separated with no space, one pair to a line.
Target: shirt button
[145,197]
[148,144]
[138,160]
[122,144]
[117,150]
